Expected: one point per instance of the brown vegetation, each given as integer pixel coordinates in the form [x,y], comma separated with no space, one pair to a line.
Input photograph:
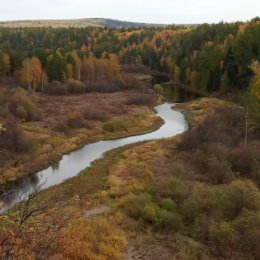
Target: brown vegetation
[43,127]
[168,199]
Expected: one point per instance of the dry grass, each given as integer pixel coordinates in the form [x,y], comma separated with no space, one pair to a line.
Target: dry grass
[55,111]
[196,110]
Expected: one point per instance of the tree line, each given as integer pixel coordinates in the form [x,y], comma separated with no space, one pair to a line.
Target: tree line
[207,58]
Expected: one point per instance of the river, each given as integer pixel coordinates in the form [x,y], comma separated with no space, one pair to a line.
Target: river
[71,164]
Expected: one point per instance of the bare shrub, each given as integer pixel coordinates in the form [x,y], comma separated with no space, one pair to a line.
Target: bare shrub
[223,127]
[131,82]
[76,120]
[134,68]
[95,114]
[142,100]
[56,88]
[72,121]
[19,103]
[75,86]
[117,109]
[243,158]
[101,86]
[219,171]
[13,138]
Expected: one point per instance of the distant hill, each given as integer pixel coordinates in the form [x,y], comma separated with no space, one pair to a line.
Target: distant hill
[88,22]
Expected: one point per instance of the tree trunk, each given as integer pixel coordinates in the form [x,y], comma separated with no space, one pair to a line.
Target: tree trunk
[246,127]
[42,82]
[34,83]
[79,74]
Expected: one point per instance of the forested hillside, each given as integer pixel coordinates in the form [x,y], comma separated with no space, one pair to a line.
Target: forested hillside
[208,57]
[80,23]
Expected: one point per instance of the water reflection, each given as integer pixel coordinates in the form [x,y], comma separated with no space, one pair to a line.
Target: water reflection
[55,166]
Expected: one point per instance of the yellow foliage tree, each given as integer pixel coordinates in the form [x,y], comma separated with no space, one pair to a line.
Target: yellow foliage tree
[69,69]
[26,73]
[7,62]
[255,86]
[78,63]
[36,71]
[89,68]
[113,67]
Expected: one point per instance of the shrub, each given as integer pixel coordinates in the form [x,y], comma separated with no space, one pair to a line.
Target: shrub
[21,104]
[158,88]
[223,235]
[238,196]
[12,139]
[61,126]
[30,108]
[190,210]
[56,88]
[95,114]
[115,125]
[202,200]
[189,249]
[91,239]
[149,213]
[174,188]
[223,127]
[21,112]
[168,204]
[33,146]
[142,100]
[75,86]
[219,171]
[179,169]
[243,158]
[135,68]
[101,86]
[255,173]
[246,227]
[169,220]
[55,141]
[75,120]
[133,205]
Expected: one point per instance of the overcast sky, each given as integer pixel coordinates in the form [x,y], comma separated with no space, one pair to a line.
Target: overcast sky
[153,11]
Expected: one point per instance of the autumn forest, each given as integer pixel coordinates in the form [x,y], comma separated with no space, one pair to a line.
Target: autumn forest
[191,196]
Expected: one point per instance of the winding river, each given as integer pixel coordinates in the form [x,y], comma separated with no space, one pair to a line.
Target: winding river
[71,164]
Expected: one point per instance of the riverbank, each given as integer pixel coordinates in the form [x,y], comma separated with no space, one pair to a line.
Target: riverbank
[50,144]
[197,110]
[71,164]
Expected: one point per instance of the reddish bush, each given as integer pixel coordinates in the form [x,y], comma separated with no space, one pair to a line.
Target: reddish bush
[13,139]
[101,86]
[243,158]
[61,126]
[134,68]
[75,120]
[223,127]
[72,121]
[95,114]
[142,100]
[75,86]
[56,88]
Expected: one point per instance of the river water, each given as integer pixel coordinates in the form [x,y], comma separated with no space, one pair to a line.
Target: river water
[71,164]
